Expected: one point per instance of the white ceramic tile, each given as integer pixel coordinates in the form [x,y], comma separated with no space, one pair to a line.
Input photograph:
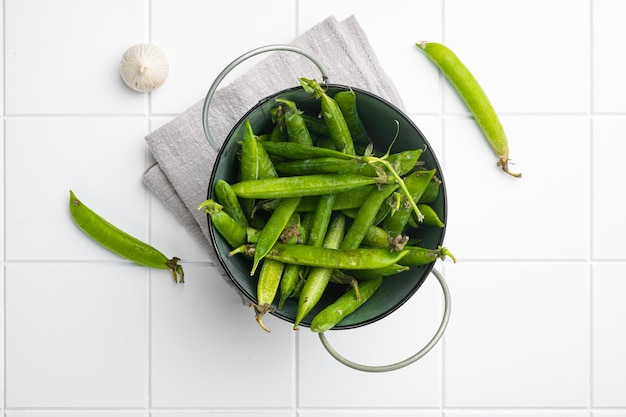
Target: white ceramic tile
[208,351]
[528,56]
[2,187]
[202,38]
[76,413]
[609,336]
[2,338]
[63,56]
[495,216]
[518,336]
[517,413]
[608,206]
[369,413]
[608,67]
[609,413]
[2,90]
[392,31]
[224,413]
[392,339]
[101,160]
[76,336]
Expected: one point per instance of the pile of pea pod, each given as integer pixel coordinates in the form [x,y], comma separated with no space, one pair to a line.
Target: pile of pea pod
[315,206]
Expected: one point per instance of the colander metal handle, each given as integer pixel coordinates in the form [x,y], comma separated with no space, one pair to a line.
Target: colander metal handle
[232,65]
[409,360]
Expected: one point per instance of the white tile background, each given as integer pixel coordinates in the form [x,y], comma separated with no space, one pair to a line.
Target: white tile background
[539,292]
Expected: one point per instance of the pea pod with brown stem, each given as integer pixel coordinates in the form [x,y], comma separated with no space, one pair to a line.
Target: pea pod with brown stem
[474,97]
[120,242]
[267,286]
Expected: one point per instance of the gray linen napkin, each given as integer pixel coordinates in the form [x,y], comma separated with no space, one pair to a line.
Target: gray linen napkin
[184,158]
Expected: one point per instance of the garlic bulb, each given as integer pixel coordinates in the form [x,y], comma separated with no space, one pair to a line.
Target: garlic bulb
[144,67]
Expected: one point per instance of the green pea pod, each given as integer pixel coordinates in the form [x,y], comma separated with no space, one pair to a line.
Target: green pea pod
[292,150]
[300,186]
[229,201]
[252,234]
[326,165]
[331,113]
[431,218]
[318,278]
[266,166]
[325,142]
[267,286]
[474,97]
[316,125]
[366,215]
[361,258]
[415,183]
[248,164]
[321,219]
[416,255]
[347,102]
[120,242]
[388,271]
[403,162]
[350,199]
[291,275]
[249,158]
[292,233]
[277,134]
[294,273]
[345,305]
[432,191]
[297,130]
[382,212]
[376,237]
[229,228]
[273,229]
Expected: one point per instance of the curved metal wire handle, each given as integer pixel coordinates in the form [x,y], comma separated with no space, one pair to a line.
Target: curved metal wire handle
[409,360]
[239,60]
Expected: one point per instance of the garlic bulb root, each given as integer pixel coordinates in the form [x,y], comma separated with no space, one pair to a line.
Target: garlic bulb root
[144,67]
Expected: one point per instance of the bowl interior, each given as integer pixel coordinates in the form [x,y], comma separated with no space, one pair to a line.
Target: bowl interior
[379,118]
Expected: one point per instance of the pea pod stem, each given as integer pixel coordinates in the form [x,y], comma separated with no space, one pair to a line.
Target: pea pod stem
[474,97]
[399,181]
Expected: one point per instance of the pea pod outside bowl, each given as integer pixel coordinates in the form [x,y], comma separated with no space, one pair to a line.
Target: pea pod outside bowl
[384,122]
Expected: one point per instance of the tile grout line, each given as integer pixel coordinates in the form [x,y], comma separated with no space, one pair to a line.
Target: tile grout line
[4,208]
[591,196]
[148,114]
